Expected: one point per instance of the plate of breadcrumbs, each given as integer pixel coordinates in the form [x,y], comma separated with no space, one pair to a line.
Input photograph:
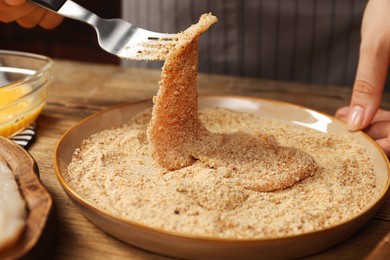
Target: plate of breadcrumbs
[220,177]
[105,166]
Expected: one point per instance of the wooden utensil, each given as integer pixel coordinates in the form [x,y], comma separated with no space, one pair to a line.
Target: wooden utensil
[38,202]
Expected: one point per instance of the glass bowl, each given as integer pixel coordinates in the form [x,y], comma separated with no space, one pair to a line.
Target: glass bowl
[24,78]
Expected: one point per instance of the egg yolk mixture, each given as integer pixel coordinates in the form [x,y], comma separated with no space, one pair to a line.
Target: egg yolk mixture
[16,110]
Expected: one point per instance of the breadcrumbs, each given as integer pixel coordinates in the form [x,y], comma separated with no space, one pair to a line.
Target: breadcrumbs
[115,172]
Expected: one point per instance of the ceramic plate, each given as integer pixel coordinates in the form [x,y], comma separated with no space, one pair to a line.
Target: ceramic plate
[184,246]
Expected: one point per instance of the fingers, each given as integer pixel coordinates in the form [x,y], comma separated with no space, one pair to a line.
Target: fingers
[384,143]
[27,15]
[50,20]
[378,130]
[12,13]
[31,19]
[382,115]
[342,113]
[45,19]
[367,91]
[373,64]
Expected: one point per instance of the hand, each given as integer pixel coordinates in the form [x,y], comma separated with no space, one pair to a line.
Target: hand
[27,15]
[371,75]
[379,129]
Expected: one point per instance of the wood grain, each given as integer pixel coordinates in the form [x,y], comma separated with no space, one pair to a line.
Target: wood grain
[38,201]
[81,89]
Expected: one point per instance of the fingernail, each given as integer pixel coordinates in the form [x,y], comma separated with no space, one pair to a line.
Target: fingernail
[355,118]
[340,114]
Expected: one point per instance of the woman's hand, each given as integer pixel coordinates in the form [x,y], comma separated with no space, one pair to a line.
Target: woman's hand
[27,15]
[379,128]
[371,75]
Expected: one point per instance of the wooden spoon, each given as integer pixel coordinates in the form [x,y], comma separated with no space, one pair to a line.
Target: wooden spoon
[38,201]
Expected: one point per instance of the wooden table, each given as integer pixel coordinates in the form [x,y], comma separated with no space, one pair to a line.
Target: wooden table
[81,89]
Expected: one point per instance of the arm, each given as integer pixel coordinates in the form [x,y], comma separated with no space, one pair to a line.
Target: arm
[27,15]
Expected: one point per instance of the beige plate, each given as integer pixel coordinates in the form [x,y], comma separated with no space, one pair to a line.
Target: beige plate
[183,246]
[38,203]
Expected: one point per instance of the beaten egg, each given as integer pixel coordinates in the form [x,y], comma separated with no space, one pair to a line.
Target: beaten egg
[18,108]
[24,78]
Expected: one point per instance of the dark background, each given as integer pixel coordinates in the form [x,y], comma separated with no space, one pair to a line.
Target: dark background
[71,40]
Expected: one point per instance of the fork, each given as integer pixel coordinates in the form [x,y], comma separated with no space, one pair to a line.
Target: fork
[115,36]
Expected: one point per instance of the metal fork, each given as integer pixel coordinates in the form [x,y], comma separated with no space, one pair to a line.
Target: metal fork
[115,36]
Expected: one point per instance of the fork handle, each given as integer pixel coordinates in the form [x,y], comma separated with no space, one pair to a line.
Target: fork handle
[53,5]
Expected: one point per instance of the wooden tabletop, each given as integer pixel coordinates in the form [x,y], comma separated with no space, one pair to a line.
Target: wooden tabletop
[81,89]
